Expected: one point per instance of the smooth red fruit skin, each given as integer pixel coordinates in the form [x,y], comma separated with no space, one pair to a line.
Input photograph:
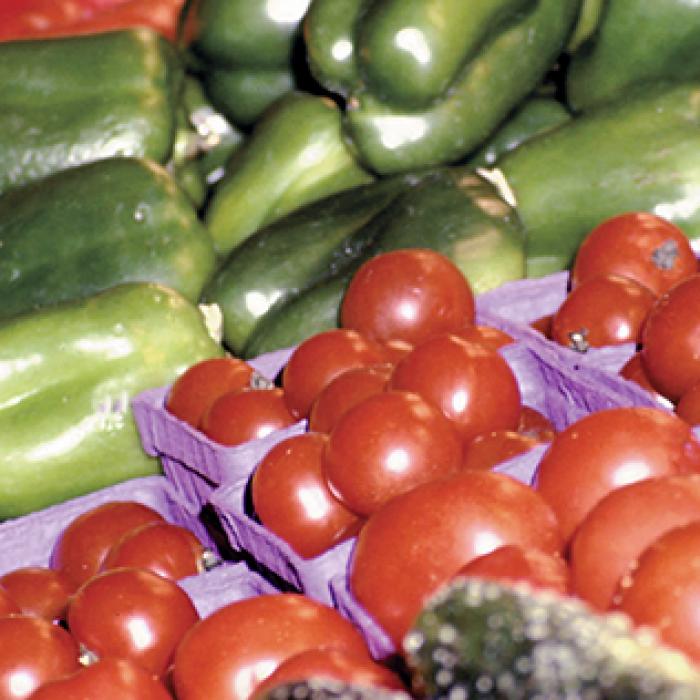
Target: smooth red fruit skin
[418,540]
[472,385]
[228,653]
[487,450]
[489,336]
[610,539]
[409,295]
[33,651]
[7,605]
[688,406]
[39,591]
[609,449]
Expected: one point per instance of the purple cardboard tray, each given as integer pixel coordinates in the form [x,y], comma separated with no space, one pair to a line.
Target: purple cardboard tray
[29,540]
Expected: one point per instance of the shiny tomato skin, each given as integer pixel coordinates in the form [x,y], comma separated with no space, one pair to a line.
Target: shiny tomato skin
[33,651]
[671,340]
[472,385]
[535,424]
[663,591]
[387,444]
[489,336]
[83,544]
[345,391]
[634,371]
[605,310]
[8,606]
[409,294]
[292,499]
[688,406]
[240,416]
[131,613]
[513,564]
[608,449]
[613,535]
[200,384]
[334,664]
[39,591]
[243,642]
[107,679]
[640,245]
[419,540]
[319,359]
[167,549]
[487,450]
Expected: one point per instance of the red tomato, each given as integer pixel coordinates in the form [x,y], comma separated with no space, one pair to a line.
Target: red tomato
[471,384]
[241,416]
[419,540]
[395,349]
[226,655]
[535,424]
[84,542]
[7,604]
[166,549]
[39,591]
[487,450]
[335,664]
[513,564]
[344,392]
[319,359]
[639,245]
[688,406]
[634,371]
[543,325]
[107,679]
[131,614]
[663,591]
[197,387]
[606,310]
[387,444]
[613,535]
[292,499]
[33,651]
[609,449]
[407,294]
[671,340]
[489,336]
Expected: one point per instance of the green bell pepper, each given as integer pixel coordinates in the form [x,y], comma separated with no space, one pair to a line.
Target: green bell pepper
[425,82]
[634,41]
[245,52]
[77,99]
[67,377]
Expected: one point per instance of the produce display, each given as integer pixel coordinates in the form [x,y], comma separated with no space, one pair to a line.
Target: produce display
[349,348]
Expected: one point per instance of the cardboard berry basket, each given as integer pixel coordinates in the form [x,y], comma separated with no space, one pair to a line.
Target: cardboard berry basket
[29,540]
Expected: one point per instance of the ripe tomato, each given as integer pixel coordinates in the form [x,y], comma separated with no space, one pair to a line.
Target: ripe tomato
[639,245]
[39,591]
[634,371]
[251,414]
[471,384]
[83,544]
[407,294]
[663,591]
[487,450]
[671,340]
[543,325]
[609,449]
[387,444]
[107,679]
[613,535]
[162,547]
[605,310]
[418,540]
[226,654]
[33,651]
[335,664]
[513,564]
[489,336]
[319,359]
[292,499]
[688,406]
[535,424]
[7,604]
[344,392]
[197,387]
[131,614]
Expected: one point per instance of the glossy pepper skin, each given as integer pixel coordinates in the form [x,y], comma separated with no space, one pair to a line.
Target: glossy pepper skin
[638,153]
[634,41]
[68,374]
[296,154]
[426,81]
[74,100]
[246,51]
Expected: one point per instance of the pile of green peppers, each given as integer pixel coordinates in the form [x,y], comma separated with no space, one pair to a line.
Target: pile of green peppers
[245,169]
